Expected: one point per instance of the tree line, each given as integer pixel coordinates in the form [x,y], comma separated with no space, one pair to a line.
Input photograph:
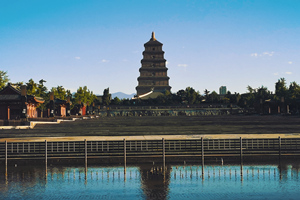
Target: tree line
[38,89]
[253,98]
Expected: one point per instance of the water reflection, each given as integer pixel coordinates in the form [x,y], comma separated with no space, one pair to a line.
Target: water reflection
[155,181]
[251,181]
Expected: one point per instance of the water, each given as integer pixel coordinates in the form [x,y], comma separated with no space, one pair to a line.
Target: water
[251,181]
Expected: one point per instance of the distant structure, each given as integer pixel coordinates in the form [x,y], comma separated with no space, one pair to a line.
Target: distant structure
[153,79]
[16,104]
[222,90]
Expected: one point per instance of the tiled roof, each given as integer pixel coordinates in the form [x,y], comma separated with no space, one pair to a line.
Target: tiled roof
[7,97]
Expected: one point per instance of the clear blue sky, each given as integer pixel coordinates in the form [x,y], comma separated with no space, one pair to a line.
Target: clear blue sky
[99,43]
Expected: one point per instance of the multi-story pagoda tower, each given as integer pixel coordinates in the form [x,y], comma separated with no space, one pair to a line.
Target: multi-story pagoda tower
[153,72]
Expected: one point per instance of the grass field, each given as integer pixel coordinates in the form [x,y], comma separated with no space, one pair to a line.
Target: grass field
[179,125]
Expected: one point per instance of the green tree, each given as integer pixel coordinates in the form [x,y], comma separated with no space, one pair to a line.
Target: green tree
[181,96]
[106,97]
[294,97]
[18,85]
[163,99]
[248,99]
[116,101]
[262,93]
[80,96]
[59,92]
[280,88]
[36,89]
[250,89]
[3,79]
[191,95]
[206,92]
[214,97]
[84,95]
[32,88]
[294,91]
[42,91]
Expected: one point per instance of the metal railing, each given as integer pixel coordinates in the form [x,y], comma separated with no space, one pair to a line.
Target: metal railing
[149,148]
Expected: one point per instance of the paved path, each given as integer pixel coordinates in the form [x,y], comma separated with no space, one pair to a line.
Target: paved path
[149,137]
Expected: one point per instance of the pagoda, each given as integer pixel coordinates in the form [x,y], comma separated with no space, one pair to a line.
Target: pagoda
[153,79]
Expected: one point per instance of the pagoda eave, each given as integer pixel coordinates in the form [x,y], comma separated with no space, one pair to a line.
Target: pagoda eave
[155,69]
[163,78]
[153,61]
[153,53]
[152,43]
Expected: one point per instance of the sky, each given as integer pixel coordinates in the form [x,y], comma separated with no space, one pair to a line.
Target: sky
[99,44]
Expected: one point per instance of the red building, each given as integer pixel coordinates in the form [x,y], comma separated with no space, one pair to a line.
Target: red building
[16,104]
[58,107]
[79,109]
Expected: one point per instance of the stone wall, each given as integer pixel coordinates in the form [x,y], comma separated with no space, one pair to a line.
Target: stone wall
[168,112]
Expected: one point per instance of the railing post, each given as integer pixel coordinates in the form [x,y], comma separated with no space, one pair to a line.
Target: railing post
[85,152]
[46,158]
[6,162]
[124,155]
[202,150]
[46,155]
[279,149]
[241,150]
[5,154]
[202,156]
[85,159]
[164,153]
[279,146]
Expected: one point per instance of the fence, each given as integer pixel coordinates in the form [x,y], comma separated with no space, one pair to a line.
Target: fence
[149,148]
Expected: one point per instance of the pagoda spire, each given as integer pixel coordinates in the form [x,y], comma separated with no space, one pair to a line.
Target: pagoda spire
[153,36]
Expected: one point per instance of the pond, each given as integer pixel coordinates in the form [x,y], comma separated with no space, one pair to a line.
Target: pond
[140,181]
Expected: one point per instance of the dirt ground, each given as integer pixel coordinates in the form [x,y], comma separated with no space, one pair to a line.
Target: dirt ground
[179,125]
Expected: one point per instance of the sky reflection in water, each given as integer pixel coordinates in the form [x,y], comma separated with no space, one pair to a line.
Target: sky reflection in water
[149,182]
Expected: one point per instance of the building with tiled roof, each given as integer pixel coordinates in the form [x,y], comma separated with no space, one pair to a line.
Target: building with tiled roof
[16,104]
[153,77]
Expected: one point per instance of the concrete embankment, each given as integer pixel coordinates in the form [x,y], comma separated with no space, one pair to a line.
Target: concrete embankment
[221,126]
[32,124]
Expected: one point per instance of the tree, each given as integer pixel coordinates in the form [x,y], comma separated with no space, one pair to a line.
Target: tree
[206,92]
[106,97]
[263,93]
[84,95]
[42,91]
[214,97]
[191,95]
[59,92]
[3,79]
[163,99]
[116,101]
[181,96]
[248,98]
[294,97]
[35,89]
[31,87]
[280,88]
[18,85]
[250,89]
[294,90]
